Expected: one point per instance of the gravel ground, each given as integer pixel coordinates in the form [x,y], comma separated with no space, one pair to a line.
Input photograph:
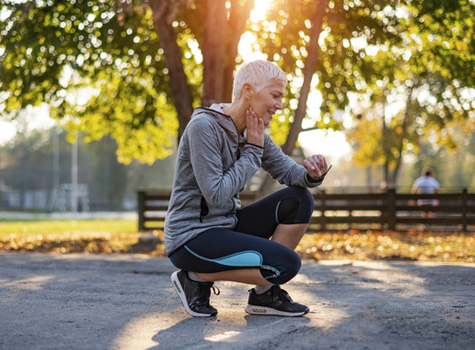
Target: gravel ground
[73,301]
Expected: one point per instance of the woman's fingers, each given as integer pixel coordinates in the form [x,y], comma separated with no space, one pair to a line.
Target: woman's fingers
[255,128]
[316,165]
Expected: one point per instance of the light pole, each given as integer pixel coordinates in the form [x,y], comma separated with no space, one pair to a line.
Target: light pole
[74,175]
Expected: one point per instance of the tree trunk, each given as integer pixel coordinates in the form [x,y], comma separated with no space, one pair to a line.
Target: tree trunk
[214,51]
[238,15]
[385,147]
[369,177]
[163,18]
[308,71]
[405,123]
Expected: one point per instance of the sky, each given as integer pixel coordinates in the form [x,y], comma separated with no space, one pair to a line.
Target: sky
[31,118]
[7,131]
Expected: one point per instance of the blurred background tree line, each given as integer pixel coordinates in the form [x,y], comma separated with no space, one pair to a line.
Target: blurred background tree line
[36,169]
[401,72]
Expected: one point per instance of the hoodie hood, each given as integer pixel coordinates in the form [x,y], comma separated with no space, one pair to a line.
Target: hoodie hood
[216,110]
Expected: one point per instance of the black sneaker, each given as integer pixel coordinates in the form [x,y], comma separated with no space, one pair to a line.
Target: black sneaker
[275,301]
[194,295]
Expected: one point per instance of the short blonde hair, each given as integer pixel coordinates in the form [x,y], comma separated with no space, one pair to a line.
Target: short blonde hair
[258,74]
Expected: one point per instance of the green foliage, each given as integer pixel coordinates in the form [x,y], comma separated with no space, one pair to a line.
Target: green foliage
[341,68]
[99,65]
[367,149]
[425,86]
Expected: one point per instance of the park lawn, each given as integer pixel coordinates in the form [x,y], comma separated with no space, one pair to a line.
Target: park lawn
[68,236]
[119,236]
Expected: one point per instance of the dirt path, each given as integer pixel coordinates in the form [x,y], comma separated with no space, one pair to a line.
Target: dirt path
[50,301]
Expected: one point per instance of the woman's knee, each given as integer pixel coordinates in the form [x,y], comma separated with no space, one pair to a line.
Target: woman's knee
[306,198]
[296,207]
[289,266]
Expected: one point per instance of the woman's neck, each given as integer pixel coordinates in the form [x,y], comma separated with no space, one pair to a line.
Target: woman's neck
[237,112]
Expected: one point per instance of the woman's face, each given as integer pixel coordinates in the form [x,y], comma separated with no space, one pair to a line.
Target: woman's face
[268,100]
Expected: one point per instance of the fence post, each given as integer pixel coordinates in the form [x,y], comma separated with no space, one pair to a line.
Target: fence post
[464,209]
[391,200]
[141,209]
[323,218]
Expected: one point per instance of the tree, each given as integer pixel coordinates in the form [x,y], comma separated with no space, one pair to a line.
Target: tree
[428,90]
[328,63]
[135,69]
[218,37]
[136,74]
[105,70]
[307,57]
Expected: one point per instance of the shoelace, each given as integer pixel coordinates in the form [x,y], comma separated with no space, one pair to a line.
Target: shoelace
[215,289]
[204,290]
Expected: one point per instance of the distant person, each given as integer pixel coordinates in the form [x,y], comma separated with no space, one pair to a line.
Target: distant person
[426,184]
[208,236]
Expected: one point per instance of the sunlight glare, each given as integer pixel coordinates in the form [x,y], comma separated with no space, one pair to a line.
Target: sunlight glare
[258,13]
[246,44]
[246,49]
[222,336]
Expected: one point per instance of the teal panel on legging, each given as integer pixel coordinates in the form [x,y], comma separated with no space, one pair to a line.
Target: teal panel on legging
[249,258]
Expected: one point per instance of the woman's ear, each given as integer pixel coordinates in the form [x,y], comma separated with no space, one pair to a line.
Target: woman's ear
[247,91]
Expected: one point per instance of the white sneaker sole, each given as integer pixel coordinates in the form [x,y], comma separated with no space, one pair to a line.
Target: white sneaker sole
[268,311]
[181,294]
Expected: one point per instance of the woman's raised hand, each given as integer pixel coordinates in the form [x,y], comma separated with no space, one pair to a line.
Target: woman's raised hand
[255,128]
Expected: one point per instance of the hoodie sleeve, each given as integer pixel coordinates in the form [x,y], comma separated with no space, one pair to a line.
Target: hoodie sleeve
[206,156]
[283,168]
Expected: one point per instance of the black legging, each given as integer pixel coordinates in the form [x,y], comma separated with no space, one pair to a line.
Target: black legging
[248,245]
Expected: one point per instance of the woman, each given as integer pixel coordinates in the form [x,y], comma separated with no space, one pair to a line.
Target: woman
[207,234]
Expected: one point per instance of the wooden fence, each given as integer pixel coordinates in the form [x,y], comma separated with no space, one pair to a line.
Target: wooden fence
[387,210]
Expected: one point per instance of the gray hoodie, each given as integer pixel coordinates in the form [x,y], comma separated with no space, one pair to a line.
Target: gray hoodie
[213,164]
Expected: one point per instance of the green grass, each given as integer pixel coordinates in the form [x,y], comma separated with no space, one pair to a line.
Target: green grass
[67,226]
[67,236]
